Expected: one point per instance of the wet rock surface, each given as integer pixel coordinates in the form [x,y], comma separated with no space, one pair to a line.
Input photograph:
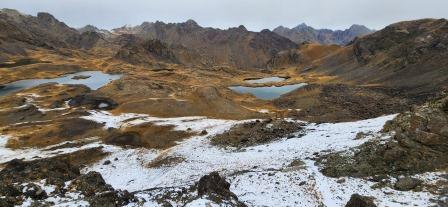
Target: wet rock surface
[256,132]
[419,144]
[79,77]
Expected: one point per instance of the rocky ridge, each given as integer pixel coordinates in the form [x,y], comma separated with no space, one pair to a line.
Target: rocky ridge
[235,47]
[304,33]
[418,144]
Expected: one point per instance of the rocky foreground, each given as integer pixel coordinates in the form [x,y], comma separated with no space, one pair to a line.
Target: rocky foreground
[231,163]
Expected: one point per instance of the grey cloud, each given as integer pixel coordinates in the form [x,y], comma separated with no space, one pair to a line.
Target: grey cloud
[254,14]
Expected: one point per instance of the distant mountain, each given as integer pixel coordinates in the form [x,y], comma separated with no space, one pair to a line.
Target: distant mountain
[304,33]
[91,28]
[234,47]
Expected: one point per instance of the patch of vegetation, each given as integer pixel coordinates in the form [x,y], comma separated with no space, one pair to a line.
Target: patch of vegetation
[257,132]
[21,62]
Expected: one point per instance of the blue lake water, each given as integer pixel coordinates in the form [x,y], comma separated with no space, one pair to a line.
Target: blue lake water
[96,80]
[266,80]
[269,92]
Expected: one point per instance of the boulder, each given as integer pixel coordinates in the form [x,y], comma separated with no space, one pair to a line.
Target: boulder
[217,189]
[407,183]
[34,191]
[214,183]
[98,192]
[357,200]
[90,184]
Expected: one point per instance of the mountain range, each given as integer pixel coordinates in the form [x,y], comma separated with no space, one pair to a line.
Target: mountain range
[304,33]
[405,50]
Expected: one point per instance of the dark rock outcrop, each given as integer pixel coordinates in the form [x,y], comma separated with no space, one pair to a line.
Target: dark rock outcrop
[214,184]
[357,200]
[98,193]
[217,189]
[35,192]
[253,133]
[93,102]
[58,170]
[407,183]
[90,184]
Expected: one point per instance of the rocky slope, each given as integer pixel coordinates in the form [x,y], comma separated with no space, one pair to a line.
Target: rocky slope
[304,33]
[21,32]
[304,55]
[235,47]
[418,144]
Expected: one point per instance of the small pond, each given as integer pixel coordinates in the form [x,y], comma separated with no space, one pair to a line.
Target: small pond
[265,80]
[269,92]
[93,80]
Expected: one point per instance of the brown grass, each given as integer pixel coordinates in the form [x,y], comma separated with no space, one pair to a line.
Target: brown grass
[148,136]
[51,133]
[165,161]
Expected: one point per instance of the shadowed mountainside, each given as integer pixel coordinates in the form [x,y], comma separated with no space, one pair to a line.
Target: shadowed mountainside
[20,32]
[411,55]
[235,47]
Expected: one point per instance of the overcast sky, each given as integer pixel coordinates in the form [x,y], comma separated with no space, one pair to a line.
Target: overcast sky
[254,14]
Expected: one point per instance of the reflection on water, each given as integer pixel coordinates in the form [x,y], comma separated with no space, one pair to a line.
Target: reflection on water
[267,93]
[266,80]
[96,80]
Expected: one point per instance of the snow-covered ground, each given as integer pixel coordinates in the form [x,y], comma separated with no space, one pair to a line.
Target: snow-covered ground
[259,175]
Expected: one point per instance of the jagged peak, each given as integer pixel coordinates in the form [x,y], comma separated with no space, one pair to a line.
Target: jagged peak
[13,13]
[191,22]
[10,11]
[358,26]
[301,26]
[89,26]
[45,15]
[242,27]
[281,27]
